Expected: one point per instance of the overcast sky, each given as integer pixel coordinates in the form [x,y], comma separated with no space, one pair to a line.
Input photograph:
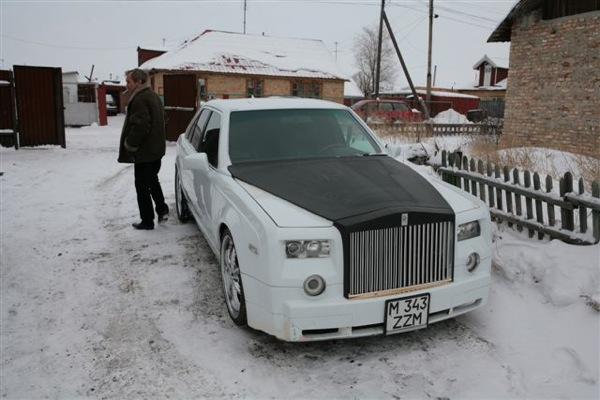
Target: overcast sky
[74,35]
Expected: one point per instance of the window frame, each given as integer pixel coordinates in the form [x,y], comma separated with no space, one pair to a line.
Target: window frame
[251,85]
[304,82]
[195,128]
[205,131]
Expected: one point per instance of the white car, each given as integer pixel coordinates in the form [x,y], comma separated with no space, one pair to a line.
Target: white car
[319,233]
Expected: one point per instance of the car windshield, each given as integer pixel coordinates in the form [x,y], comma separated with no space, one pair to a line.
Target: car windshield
[296,133]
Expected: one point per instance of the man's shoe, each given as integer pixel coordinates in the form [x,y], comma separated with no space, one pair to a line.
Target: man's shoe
[163,217]
[143,226]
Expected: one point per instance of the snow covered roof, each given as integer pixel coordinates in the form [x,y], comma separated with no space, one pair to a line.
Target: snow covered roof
[351,89]
[227,52]
[494,62]
[153,48]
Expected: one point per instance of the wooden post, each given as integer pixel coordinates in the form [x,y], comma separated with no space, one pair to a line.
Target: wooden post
[567,216]
[498,190]
[465,167]
[518,205]
[509,207]
[551,217]
[488,170]
[473,182]
[481,184]
[582,210]
[528,201]
[539,213]
[596,213]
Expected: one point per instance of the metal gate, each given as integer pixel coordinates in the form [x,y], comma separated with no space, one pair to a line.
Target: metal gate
[180,93]
[40,109]
[8,117]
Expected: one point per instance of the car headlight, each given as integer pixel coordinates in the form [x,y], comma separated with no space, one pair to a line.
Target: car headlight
[468,230]
[307,248]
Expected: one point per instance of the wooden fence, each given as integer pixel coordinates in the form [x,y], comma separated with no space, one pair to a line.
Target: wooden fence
[528,201]
[421,129]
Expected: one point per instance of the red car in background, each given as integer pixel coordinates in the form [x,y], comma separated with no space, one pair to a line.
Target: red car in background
[386,111]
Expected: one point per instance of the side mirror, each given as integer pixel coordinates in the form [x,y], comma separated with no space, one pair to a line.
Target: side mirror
[196,161]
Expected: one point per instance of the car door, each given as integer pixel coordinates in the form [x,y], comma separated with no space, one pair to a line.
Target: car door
[204,180]
[189,145]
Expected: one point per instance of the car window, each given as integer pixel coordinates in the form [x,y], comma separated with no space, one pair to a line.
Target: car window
[190,129]
[385,107]
[210,140]
[296,133]
[401,107]
[371,107]
[199,128]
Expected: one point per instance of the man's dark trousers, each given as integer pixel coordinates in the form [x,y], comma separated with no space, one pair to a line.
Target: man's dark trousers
[148,189]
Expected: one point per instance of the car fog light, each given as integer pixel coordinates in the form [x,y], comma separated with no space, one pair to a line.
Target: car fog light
[472,262]
[314,285]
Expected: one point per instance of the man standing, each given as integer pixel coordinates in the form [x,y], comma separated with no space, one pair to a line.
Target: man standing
[143,143]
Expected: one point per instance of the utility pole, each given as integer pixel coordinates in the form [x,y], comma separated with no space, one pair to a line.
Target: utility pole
[378,71]
[245,16]
[428,98]
[336,44]
[163,42]
[434,74]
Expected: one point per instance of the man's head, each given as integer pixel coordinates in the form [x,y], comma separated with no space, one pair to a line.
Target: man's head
[135,79]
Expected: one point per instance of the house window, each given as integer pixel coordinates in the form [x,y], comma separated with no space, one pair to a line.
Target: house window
[254,87]
[306,89]
[86,93]
[563,8]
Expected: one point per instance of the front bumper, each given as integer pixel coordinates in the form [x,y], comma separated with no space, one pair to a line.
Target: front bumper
[294,316]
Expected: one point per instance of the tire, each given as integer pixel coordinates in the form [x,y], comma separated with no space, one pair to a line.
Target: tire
[181,206]
[232,280]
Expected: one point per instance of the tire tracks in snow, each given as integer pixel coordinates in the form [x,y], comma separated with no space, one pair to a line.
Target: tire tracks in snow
[133,359]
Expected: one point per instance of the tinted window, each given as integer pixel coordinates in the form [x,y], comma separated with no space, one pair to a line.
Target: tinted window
[385,107]
[290,134]
[199,128]
[210,141]
[401,107]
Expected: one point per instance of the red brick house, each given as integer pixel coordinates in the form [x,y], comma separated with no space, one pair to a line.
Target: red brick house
[553,97]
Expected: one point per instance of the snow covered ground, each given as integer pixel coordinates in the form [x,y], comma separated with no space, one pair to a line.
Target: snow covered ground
[92,308]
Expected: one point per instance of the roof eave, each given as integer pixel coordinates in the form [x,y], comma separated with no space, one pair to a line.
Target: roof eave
[502,33]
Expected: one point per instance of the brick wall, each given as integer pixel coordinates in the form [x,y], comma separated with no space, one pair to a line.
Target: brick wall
[553,95]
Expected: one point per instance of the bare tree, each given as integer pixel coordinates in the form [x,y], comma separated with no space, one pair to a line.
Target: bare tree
[365,55]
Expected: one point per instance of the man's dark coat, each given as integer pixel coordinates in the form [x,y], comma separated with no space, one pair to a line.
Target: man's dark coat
[144,129]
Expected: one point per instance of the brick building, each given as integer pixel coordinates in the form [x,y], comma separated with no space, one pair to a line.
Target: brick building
[553,95]
[234,65]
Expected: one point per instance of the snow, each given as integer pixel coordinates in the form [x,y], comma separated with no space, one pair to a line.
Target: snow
[495,62]
[439,93]
[450,116]
[227,52]
[351,89]
[92,308]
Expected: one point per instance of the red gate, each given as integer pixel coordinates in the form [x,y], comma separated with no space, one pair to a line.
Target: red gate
[180,93]
[40,109]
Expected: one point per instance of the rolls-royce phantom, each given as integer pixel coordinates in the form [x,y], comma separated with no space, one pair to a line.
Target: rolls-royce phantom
[318,232]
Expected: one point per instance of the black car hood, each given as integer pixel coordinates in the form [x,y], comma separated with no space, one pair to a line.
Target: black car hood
[350,191]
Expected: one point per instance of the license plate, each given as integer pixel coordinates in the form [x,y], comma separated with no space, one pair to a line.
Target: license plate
[406,314]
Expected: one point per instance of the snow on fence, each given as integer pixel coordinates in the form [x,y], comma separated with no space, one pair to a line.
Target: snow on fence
[578,220]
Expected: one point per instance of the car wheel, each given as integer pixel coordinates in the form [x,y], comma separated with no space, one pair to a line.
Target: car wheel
[232,280]
[183,212]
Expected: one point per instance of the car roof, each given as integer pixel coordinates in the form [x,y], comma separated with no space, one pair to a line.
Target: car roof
[272,103]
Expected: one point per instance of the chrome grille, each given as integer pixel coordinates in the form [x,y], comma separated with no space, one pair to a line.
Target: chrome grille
[400,258]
